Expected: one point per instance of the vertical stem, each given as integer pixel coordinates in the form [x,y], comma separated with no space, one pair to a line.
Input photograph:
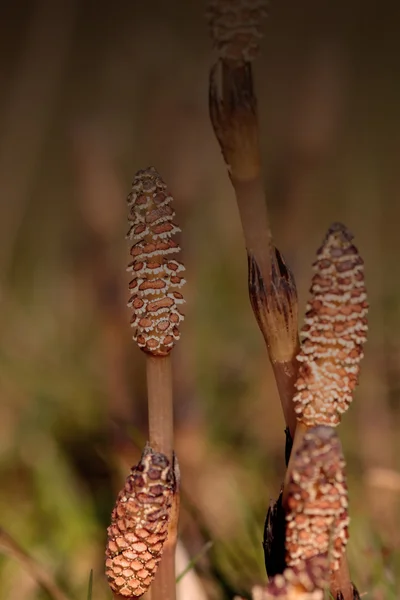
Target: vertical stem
[254,216]
[285,376]
[159,395]
[161,437]
[233,114]
[301,430]
[258,239]
[164,586]
[341,582]
[165,580]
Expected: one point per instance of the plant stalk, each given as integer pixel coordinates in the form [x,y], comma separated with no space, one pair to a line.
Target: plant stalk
[233,113]
[161,438]
[340,584]
[160,404]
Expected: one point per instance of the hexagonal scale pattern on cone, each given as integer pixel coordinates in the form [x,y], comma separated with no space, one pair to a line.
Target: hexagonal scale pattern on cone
[334,332]
[317,517]
[236,27]
[158,278]
[139,526]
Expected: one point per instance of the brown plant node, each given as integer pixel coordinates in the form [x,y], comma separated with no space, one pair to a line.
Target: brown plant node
[275,306]
[139,525]
[233,114]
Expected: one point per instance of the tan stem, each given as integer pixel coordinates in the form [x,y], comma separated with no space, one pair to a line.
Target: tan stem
[159,396]
[164,586]
[341,582]
[165,580]
[161,438]
[285,375]
[254,217]
[275,308]
[233,113]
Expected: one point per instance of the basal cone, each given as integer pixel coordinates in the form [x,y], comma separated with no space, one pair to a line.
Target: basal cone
[334,332]
[158,276]
[235,27]
[139,525]
[317,515]
[303,582]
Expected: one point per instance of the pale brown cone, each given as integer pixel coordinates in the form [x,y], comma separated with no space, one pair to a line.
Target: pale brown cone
[317,516]
[139,525]
[334,332]
[158,279]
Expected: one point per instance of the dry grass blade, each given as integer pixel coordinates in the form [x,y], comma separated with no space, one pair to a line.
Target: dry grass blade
[9,546]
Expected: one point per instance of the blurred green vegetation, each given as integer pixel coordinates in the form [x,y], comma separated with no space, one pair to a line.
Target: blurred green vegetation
[91,92]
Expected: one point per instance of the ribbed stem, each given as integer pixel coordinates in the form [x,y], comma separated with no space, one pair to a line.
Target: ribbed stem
[165,580]
[254,217]
[233,113]
[160,405]
[161,437]
[285,376]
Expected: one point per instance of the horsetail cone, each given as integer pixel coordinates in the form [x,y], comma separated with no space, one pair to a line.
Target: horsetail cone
[236,28]
[334,332]
[303,582]
[317,519]
[155,289]
[139,525]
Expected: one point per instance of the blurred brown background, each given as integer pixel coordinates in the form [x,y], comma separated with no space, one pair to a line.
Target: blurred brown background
[90,92]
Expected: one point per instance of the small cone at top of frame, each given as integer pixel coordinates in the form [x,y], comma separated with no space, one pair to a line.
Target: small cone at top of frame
[236,28]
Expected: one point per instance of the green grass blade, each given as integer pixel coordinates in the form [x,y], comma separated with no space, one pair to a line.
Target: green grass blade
[90,586]
[194,560]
